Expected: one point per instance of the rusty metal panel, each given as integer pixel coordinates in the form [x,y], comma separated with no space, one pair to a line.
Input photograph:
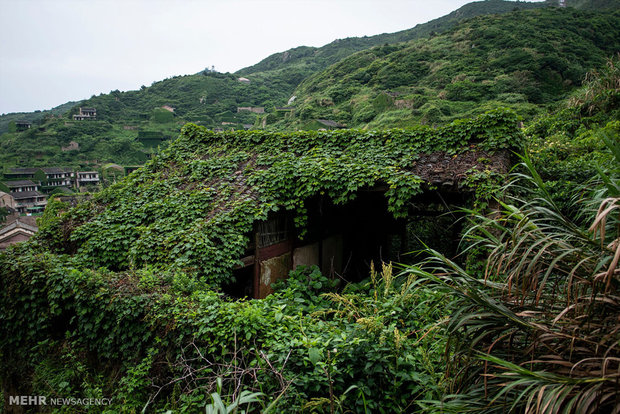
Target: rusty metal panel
[273,269]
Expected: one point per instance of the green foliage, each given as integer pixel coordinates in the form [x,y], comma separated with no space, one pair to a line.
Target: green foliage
[191,207]
[293,354]
[521,59]
[162,116]
[125,276]
[519,324]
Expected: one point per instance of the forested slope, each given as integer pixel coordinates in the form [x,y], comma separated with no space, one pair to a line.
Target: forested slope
[524,60]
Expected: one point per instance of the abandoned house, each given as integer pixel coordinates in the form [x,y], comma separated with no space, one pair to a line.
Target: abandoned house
[54,176]
[22,185]
[86,114]
[25,196]
[240,210]
[22,125]
[17,230]
[85,178]
[342,240]
[29,201]
[59,177]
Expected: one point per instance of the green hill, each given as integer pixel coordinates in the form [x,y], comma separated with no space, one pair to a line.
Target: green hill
[33,117]
[524,60]
[294,65]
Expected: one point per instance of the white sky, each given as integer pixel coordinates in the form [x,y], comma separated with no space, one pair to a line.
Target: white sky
[55,51]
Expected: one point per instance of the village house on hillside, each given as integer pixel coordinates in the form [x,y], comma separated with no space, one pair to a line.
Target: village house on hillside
[22,125]
[55,176]
[86,114]
[24,197]
[86,177]
[22,186]
[29,201]
[30,179]
[21,229]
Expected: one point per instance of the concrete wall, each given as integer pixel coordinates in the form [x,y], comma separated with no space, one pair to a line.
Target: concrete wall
[306,255]
[12,238]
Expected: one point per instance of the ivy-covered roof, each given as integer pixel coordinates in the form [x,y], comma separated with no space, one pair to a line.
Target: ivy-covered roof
[191,207]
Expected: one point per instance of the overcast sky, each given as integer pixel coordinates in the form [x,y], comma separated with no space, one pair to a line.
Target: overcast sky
[55,51]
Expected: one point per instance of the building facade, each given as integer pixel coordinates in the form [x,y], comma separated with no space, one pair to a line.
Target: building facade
[86,114]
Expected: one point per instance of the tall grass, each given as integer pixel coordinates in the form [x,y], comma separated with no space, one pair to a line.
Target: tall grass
[538,331]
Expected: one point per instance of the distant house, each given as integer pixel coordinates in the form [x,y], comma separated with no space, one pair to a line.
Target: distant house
[29,201]
[86,114]
[22,185]
[55,176]
[285,108]
[22,125]
[7,201]
[17,173]
[255,109]
[59,177]
[244,80]
[15,232]
[87,177]
[168,108]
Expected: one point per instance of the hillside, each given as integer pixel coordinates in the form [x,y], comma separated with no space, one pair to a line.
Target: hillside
[33,117]
[524,60]
[119,298]
[431,81]
[296,64]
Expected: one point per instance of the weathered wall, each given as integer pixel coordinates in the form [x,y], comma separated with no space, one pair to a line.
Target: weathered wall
[306,255]
[272,270]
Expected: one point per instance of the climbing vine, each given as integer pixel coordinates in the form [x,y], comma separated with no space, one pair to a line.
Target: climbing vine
[192,207]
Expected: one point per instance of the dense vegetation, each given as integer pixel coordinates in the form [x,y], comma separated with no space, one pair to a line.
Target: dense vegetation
[120,296]
[523,60]
[111,320]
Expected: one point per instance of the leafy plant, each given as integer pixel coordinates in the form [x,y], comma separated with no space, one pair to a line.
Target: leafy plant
[537,331]
[244,398]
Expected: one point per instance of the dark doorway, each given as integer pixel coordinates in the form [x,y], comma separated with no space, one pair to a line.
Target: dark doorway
[370,233]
